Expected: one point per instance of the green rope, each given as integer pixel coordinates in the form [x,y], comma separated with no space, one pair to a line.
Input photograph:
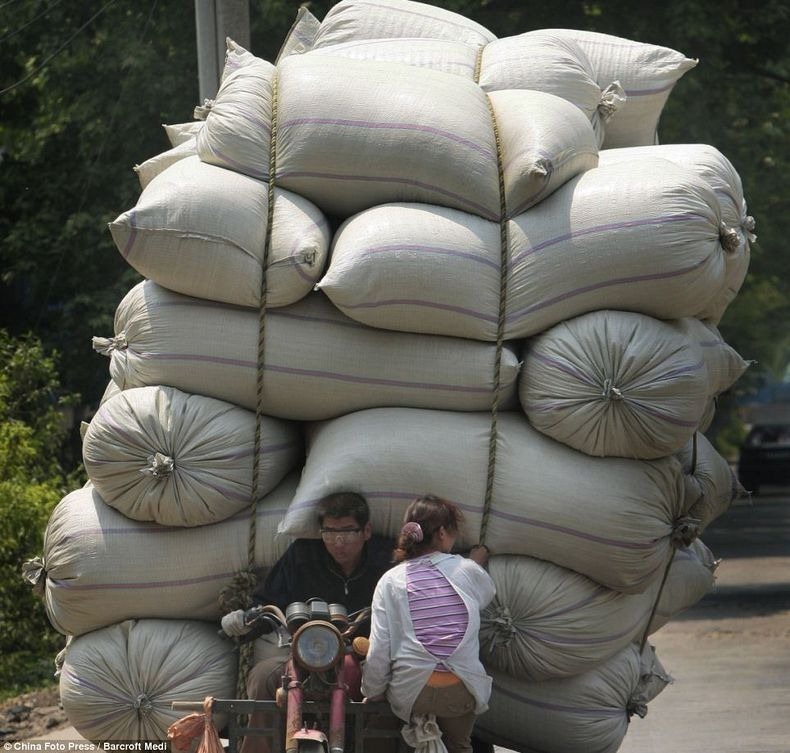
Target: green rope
[500,335]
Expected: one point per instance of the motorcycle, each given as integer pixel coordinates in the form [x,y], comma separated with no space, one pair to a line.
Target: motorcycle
[320,683]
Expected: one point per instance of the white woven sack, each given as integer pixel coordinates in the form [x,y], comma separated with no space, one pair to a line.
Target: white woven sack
[546,621]
[178,133]
[301,36]
[102,567]
[352,20]
[148,170]
[589,712]
[647,73]
[549,63]
[711,484]
[538,61]
[646,240]
[200,230]
[692,575]
[615,383]
[607,518]
[723,363]
[431,139]
[713,167]
[159,454]
[544,141]
[119,683]
[318,363]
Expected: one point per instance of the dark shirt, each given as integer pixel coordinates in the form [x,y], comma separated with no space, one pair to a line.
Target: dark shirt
[307,570]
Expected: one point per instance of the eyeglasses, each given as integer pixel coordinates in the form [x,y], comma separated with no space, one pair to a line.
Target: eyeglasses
[339,536]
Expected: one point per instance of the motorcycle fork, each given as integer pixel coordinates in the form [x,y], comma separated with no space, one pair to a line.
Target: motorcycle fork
[337,713]
[293,707]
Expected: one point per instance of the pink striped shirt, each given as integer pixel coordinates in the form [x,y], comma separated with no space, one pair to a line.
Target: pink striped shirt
[437,611]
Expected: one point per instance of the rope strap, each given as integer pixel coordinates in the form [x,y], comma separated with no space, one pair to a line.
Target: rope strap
[478,63]
[683,534]
[500,334]
[238,595]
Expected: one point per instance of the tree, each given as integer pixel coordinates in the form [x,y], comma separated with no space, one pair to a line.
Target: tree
[86,86]
[31,482]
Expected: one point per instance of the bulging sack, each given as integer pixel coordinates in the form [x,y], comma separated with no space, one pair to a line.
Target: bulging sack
[158,454]
[615,383]
[610,519]
[711,484]
[589,712]
[351,20]
[647,240]
[537,61]
[692,575]
[200,230]
[532,628]
[317,363]
[715,169]
[647,72]
[102,568]
[118,683]
[344,147]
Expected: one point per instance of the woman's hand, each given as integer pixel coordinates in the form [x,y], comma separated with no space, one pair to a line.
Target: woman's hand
[479,554]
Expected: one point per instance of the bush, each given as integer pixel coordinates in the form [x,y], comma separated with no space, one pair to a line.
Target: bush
[32,481]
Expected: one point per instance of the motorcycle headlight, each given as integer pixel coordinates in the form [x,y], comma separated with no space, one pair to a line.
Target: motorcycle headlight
[317,646]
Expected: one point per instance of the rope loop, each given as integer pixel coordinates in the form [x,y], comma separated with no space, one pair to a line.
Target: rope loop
[610,392]
[159,465]
[501,620]
[685,531]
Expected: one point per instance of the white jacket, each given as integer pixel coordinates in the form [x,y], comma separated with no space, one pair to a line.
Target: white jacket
[397,663]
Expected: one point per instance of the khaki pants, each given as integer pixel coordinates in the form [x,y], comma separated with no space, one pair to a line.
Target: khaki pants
[454,707]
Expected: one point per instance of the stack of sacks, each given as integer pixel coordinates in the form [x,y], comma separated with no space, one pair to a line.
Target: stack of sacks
[466,206]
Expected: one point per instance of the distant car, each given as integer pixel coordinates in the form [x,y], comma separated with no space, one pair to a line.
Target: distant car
[765,457]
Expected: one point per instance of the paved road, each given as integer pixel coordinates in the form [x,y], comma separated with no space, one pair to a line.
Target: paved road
[729,655]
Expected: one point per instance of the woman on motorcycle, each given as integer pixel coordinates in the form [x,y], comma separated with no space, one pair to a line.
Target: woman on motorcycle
[424,633]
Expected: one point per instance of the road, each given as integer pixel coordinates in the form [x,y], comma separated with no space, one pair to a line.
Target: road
[730,654]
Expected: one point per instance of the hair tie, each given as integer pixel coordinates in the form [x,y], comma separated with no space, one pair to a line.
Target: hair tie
[413,530]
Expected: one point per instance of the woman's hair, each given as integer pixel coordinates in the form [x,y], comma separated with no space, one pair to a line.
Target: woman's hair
[423,518]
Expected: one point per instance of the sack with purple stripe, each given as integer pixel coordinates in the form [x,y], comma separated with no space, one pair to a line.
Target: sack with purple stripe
[100,567]
[159,454]
[317,362]
[610,519]
[431,139]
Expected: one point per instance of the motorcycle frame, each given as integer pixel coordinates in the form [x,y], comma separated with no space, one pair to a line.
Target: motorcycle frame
[238,710]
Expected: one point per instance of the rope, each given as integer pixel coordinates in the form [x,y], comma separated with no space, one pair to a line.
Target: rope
[244,582]
[479,65]
[500,334]
[683,534]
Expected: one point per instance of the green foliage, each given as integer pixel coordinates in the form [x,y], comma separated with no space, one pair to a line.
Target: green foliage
[31,482]
[69,137]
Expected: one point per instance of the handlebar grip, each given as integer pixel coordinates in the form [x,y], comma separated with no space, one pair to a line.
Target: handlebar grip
[360,645]
[187,705]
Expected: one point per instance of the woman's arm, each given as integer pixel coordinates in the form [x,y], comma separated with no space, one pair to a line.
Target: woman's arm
[377,669]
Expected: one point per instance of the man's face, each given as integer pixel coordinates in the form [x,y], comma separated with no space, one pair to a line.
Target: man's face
[344,540]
